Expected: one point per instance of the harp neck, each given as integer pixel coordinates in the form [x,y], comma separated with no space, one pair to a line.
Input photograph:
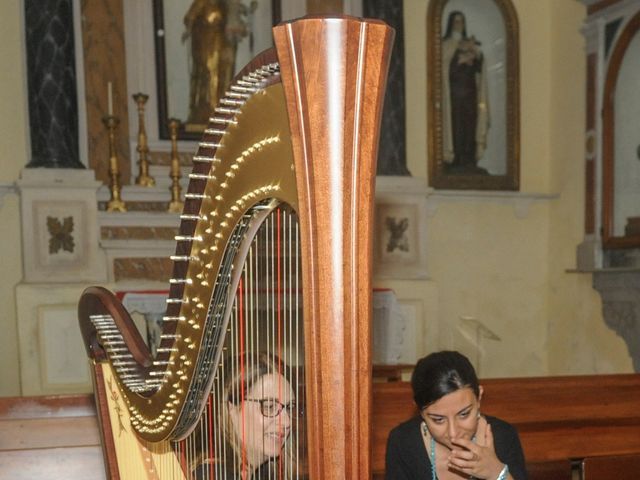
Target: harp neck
[333,72]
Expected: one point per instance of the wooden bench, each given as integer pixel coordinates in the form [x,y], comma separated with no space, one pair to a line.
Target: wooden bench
[560,419]
[620,467]
[589,421]
[56,438]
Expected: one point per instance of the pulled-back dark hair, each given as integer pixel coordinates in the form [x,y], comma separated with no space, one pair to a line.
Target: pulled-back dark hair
[441,373]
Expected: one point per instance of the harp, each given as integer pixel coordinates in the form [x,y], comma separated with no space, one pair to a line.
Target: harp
[272,267]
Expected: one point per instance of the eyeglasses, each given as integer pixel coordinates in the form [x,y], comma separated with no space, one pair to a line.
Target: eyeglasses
[270,407]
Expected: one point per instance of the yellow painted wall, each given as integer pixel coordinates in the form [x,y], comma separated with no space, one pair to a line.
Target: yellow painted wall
[498,260]
[578,339]
[13,156]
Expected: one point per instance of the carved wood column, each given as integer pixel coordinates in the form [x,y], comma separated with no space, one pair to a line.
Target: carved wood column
[104,62]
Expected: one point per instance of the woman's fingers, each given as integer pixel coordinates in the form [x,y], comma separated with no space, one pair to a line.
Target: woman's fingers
[481,431]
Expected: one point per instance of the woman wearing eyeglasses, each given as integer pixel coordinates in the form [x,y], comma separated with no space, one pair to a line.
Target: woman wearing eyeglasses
[451,439]
[256,420]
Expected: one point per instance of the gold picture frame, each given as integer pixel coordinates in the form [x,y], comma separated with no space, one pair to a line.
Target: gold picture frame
[473,95]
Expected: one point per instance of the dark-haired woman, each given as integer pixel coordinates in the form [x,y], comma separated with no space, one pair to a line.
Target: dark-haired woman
[451,438]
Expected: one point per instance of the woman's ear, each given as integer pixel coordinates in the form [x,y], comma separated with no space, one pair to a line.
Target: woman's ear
[480,391]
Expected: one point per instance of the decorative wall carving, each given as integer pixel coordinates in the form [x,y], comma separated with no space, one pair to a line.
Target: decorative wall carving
[60,232]
[620,292]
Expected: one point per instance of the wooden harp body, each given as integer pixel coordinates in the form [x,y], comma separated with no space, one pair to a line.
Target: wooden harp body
[274,248]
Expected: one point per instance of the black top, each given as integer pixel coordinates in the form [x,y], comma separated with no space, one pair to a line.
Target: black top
[407,459]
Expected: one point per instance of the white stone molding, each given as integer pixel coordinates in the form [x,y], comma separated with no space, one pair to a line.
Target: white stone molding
[59,226]
[620,290]
[6,189]
[519,201]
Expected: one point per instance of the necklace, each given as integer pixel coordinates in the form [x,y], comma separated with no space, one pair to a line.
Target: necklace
[432,456]
[432,451]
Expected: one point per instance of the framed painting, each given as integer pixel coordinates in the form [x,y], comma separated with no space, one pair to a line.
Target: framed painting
[199,47]
[400,250]
[473,98]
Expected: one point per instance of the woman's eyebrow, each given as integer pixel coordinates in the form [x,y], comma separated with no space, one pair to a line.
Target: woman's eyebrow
[458,413]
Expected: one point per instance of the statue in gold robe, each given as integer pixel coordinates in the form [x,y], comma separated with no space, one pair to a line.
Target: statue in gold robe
[214,28]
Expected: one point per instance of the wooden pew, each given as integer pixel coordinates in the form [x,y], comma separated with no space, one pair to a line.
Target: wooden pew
[620,467]
[559,418]
[56,438]
[551,470]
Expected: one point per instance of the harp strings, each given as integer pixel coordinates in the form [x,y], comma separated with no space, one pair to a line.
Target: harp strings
[252,425]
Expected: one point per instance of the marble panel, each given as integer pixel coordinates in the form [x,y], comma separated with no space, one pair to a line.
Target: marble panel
[142,268]
[104,62]
[138,233]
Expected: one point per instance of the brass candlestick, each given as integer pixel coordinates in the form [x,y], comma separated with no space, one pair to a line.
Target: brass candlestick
[143,177]
[115,204]
[176,205]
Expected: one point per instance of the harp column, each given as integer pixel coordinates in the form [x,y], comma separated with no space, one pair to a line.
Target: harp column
[334,74]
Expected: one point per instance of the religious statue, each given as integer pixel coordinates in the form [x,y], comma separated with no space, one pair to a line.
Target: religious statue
[464,99]
[215,27]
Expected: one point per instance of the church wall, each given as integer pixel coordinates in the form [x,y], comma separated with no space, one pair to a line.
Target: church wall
[499,260]
[13,156]
[502,260]
[579,340]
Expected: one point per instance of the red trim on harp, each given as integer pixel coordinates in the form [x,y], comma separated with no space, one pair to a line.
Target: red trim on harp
[183,457]
[279,290]
[279,294]
[243,466]
[209,407]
